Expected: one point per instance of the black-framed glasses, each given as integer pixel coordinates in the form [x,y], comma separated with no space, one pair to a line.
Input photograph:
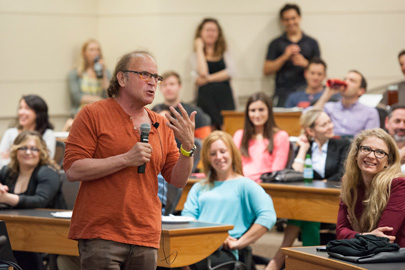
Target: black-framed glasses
[31,148]
[144,75]
[378,153]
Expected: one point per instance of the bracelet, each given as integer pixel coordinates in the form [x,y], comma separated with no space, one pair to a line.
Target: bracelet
[298,160]
[187,153]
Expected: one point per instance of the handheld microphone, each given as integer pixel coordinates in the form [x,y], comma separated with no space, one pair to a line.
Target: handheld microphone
[145,129]
[98,68]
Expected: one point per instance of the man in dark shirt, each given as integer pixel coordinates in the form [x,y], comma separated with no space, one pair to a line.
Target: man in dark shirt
[401,85]
[315,74]
[289,54]
[170,88]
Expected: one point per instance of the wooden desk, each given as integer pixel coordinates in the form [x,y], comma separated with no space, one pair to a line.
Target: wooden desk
[307,258]
[318,201]
[36,230]
[288,121]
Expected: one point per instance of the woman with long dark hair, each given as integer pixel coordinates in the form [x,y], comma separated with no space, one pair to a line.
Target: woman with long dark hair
[264,147]
[32,115]
[214,68]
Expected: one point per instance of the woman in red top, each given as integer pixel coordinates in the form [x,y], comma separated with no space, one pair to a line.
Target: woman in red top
[373,189]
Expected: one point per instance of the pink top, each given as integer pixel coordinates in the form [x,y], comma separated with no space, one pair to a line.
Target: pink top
[260,160]
[392,216]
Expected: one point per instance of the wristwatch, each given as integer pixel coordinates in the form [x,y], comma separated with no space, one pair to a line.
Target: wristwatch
[187,153]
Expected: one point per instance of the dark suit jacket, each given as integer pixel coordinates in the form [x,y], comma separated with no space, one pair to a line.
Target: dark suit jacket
[335,159]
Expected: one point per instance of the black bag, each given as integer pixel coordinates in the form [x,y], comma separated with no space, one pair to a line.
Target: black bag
[283,176]
[382,257]
[366,249]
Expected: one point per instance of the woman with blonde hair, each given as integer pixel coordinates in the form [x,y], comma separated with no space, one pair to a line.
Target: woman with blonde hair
[31,180]
[89,81]
[373,189]
[213,67]
[230,198]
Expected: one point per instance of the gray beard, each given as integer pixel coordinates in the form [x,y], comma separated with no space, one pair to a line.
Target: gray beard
[398,138]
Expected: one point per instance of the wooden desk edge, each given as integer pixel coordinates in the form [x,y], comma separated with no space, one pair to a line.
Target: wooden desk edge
[303,189]
[275,111]
[311,258]
[46,220]
[190,231]
[281,187]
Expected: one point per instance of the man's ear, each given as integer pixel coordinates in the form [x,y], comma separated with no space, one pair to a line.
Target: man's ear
[305,73]
[386,123]
[122,79]
[361,92]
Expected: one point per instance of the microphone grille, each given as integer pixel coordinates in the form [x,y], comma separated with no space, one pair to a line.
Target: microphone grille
[145,128]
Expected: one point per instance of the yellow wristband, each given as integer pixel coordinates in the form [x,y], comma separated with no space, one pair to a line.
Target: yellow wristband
[187,153]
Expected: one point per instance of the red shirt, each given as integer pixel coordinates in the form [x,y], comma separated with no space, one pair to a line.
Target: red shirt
[124,206]
[392,216]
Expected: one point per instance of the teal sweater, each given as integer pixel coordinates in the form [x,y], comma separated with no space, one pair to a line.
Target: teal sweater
[240,202]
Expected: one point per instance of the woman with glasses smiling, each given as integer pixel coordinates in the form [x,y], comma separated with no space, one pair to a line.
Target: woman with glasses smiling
[30,180]
[373,189]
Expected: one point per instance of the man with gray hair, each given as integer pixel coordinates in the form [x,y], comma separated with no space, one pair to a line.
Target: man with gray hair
[395,126]
[117,214]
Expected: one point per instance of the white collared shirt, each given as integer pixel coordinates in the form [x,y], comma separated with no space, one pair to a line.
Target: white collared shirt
[319,158]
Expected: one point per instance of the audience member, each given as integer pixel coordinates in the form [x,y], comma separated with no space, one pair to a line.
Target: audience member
[401,59]
[89,81]
[288,55]
[264,147]
[401,85]
[348,115]
[170,88]
[328,156]
[242,202]
[164,109]
[214,68]
[32,114]
[85,84]
[315,74]
[104,152]
[373,189]
[30,180]
[327,153]
[395,125]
